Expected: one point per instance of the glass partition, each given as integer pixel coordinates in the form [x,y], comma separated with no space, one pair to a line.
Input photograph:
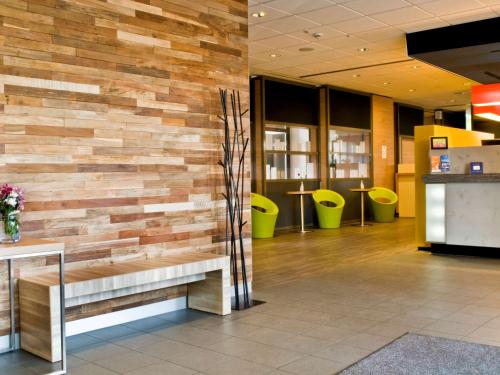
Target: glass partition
[276,166]
[290,152]
[349,152]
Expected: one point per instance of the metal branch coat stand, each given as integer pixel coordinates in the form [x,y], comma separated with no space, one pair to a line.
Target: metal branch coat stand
[234,147]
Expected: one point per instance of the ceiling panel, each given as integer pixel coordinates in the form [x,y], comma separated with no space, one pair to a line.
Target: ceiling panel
[270,14]
[444,7]
[384,33]
[289,24]
[469,16]
[281,40]
[403,15]
[358,24]
[326,31]
[348,25]
[257,32]
[368,7]
[299,6]
[425,24]
[330,15]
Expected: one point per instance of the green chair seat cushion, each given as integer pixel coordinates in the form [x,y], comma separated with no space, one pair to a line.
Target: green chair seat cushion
[260,209]
[382,200]
[328,203]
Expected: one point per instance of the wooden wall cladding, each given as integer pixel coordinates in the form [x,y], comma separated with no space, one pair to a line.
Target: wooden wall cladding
[108,120]
[383,135]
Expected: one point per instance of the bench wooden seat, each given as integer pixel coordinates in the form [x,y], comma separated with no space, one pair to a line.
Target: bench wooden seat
[207,277]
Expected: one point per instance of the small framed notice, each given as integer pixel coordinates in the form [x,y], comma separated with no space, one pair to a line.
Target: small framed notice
[439,143]
[476,167]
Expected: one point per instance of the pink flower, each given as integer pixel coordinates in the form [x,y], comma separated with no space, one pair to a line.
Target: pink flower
[6,190]
[12,196]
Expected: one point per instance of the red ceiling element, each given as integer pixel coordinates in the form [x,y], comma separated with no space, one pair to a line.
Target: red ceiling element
[486,95]
[490,112]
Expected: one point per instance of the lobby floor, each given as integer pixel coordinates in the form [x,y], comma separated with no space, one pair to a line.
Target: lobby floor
[333,297]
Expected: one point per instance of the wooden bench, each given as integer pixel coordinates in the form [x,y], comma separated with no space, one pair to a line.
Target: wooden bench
[207,277]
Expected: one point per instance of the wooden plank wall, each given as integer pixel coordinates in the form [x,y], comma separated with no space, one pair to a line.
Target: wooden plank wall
[383,134]
[108,120]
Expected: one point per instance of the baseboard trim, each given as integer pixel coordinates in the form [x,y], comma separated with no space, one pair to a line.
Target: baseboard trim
[92,323]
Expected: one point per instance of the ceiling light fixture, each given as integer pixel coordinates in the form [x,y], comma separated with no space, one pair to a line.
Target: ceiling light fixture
[356,75]
[387,83]
[317,35]
[363,49]
[259,14]
[306,49]
[274,55]
[412,90]
[415,67]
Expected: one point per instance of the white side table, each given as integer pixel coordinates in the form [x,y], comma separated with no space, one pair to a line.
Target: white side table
[28,248]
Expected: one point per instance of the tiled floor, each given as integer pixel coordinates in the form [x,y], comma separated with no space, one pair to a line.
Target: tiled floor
[318,323]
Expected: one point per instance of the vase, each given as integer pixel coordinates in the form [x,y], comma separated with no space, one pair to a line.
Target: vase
[10,231]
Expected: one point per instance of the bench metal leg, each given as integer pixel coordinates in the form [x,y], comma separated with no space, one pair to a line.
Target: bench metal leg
[62,313]
[12,305]
[12,308]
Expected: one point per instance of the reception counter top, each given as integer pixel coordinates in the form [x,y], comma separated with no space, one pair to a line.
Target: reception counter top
[463,209]
[457,178]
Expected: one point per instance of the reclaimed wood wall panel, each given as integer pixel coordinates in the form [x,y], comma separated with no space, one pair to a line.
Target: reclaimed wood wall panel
[108,120]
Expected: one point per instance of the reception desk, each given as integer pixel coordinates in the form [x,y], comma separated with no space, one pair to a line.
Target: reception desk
[463,209]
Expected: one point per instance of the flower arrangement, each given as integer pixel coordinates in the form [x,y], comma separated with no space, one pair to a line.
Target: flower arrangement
[11,203]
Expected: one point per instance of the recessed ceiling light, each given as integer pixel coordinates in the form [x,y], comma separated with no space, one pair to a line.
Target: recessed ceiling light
[306,49]
[318,35]
[412,90]
[274,55]
[452,100]
[415,67]
[356,75]
[363,49]
[387,83]
[259,14]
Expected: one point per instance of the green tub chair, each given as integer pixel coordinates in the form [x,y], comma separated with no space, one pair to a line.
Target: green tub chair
[383,203]
[264,215]
[329,206]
